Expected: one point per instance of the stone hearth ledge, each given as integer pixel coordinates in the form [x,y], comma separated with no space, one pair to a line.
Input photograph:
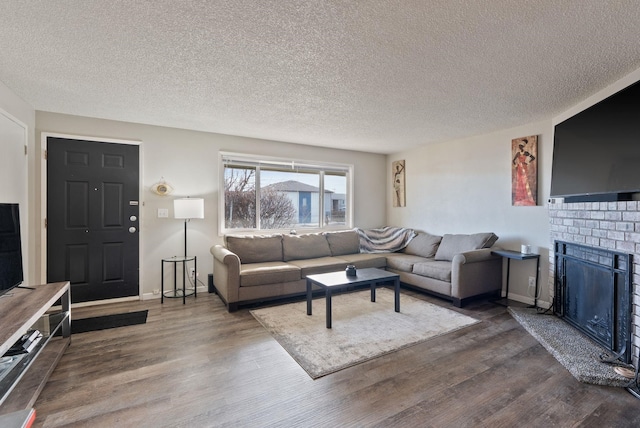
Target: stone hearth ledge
[578,354]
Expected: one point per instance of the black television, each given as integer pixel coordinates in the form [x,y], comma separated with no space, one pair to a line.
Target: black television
[596,153]
[11,270]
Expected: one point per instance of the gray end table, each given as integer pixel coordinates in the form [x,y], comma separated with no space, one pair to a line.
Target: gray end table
[515,255]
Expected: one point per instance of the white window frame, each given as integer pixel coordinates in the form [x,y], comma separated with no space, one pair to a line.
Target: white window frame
[257,161]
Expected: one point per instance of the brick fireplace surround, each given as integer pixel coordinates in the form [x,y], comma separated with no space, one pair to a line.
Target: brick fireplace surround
[610,225]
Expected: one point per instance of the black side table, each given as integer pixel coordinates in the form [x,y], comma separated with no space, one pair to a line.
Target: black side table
[515,255]
[176,292]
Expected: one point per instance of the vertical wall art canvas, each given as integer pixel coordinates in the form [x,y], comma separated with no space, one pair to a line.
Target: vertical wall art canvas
[524,171]
[397,173]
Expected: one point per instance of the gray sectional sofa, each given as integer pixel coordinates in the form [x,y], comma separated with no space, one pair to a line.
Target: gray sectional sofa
[255,268]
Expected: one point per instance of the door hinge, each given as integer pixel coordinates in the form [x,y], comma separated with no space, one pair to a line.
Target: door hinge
[45,223]
[25,149]
[45,155]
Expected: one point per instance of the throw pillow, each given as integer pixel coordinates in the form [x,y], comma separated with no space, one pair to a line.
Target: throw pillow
[342,243]
[424,245]
[455,244]
[308,246]
[256,248]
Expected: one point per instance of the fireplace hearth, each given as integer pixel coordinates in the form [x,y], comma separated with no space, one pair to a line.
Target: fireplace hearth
[593,293]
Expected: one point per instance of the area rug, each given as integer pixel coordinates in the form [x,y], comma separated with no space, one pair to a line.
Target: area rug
[108,321]
[578,354]
[362,330]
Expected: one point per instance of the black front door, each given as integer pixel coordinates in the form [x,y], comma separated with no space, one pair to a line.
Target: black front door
[92,218]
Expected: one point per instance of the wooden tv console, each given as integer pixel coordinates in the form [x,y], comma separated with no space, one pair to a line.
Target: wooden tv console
[21,311]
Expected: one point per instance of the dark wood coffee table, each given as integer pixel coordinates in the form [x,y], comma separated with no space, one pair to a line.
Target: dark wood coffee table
[339,280]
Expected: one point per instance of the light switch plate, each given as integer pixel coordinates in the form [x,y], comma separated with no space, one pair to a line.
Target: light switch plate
[163,213]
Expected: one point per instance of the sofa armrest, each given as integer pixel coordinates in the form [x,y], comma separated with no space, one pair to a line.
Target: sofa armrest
[226,273]
[475,272]
[474,256]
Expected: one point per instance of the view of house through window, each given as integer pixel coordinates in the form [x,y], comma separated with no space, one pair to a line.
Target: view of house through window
[283,194]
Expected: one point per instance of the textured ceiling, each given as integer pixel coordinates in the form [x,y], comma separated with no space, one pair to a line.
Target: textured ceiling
[371,75]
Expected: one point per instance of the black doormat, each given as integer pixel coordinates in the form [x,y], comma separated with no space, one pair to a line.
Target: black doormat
[108,321]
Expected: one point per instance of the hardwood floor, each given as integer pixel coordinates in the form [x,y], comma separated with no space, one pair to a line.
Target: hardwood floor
[197,365]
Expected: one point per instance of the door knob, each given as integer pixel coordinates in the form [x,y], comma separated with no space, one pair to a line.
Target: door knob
[132,229]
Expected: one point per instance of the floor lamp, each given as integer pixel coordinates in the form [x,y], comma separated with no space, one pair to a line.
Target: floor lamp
[188,208]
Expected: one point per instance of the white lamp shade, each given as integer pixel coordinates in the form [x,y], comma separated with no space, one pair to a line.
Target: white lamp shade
[188,208]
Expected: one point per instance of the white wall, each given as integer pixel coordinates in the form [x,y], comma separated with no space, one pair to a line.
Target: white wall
[17,123]
[464,186]
[460,186]
[188,161]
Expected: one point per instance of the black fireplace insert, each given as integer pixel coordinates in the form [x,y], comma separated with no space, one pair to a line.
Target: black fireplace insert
[593,292]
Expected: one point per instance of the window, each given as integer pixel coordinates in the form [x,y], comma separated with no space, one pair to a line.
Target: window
[281,194]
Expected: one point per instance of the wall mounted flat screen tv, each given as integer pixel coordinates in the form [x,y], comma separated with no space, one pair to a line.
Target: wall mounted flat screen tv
[596,153]
[11,273]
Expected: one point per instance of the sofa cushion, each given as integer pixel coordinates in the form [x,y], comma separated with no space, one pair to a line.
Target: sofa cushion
[342,243]
[319,265]
[365,260]
[268,273]
[402,262]
[434,269]
[307,246]
[255,248]
[423,244]
[455,244]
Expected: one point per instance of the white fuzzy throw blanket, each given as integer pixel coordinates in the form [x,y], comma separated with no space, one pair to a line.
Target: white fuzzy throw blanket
[384,240]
